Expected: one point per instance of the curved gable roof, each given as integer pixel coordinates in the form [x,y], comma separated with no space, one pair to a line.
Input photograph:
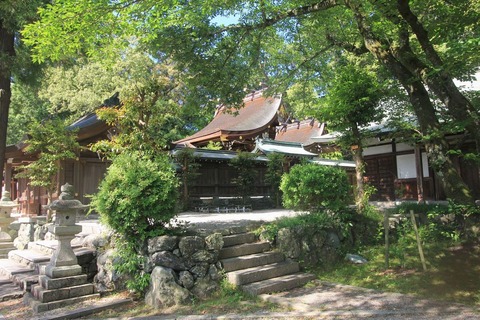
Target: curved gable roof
[257,113]
[301,132]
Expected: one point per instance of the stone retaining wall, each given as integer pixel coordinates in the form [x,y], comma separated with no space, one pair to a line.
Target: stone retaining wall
[310,245]
[181,268]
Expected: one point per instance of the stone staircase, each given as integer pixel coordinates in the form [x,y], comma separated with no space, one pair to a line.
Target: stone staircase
[250,265]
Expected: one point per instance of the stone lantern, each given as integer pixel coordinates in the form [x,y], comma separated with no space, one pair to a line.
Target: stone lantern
[61,282]
[6,207]
[63,262]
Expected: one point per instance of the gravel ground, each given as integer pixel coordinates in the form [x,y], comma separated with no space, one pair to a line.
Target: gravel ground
[335,300]
[208,222]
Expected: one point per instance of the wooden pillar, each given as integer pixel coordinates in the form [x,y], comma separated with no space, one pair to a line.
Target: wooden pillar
[419,170]
[8,176]
[216,180]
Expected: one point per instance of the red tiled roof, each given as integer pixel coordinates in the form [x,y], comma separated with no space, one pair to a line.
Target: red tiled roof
[253,118]
[301,132]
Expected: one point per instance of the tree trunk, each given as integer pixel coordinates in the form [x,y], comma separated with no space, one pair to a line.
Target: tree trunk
[357,152]
[6,53]
[435,142]
[436,77]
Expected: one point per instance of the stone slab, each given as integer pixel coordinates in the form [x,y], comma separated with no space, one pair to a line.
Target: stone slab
[38,306]
[50,284]
[86,311]
[62,272]
[44,295]
[26,256]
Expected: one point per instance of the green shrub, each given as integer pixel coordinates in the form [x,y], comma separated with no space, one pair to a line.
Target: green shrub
[320,220]
[311,187]
[439,222]
[137,199]
[138,196]
[130,262]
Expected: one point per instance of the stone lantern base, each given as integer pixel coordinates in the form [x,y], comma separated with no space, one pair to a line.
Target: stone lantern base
[6,233]
[53,293]
[61,282]
[6,237]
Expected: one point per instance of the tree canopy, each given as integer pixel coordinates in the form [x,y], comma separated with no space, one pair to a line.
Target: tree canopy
[422,45]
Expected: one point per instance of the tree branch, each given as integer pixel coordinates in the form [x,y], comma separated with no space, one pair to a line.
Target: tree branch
[358,51]
[292,13]
[420,32]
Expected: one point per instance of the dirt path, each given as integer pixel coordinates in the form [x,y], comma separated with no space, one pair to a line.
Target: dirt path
[335,300]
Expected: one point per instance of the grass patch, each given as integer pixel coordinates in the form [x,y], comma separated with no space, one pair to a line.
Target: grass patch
[452,273]
[228,299]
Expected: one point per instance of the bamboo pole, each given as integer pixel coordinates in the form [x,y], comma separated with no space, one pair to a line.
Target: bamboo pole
[419,242]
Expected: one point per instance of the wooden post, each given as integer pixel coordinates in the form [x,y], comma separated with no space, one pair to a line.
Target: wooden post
[386,226]
[8,176]
[419,242]
[419,171]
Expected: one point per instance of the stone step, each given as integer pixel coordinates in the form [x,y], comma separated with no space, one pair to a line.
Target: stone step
[239,238]
[16,272]
[6,249]
[245,276]
[9,268]
[30,258]
[6,244]
[4,252]
[244,249]
[278,284]
[8,290]
[38,306]
[252,260]
[4,280]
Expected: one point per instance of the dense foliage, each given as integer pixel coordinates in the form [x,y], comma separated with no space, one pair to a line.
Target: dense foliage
[51,142]
[137,197]
[312,187]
